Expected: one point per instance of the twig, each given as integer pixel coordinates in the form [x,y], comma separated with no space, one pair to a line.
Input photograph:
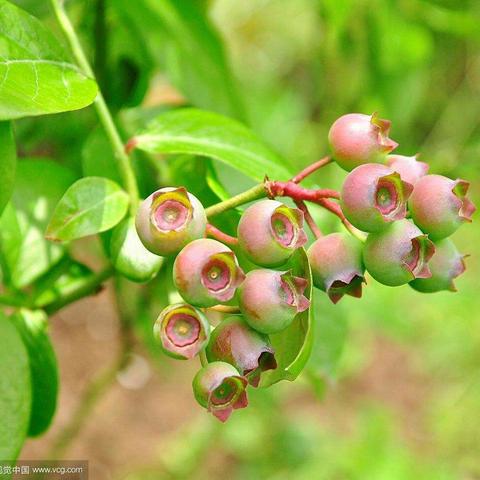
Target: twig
[105,117]
[91,285]
[295,192]
[223,237]
[308,218]
[94,391]
[310,169]
[336,210]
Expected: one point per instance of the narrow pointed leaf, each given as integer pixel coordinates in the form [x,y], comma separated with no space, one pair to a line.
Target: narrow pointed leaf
[208,134]
[15,391]
[293,345]
[32,326]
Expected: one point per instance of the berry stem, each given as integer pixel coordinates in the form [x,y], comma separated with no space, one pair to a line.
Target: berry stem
[225,309]
[104,115]
[308,218]
[336,210]
[203,358]
[254,193]
[223,237]
[295,192]
[311,169]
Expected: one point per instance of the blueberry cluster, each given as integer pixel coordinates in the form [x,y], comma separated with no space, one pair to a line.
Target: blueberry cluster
[379,193]
[407,214]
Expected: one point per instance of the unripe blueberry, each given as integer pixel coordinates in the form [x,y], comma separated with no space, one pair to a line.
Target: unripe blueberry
[235,342]
[206,272]
[356,139]
[446,265]
[373,196]
[269,300]
[439,205]
[409,168]
[169,219]
[337,266]
[220,389]
[182,330]
[269,232]
[398,254]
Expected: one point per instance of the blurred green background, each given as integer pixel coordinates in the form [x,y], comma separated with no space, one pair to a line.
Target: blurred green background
[392,391]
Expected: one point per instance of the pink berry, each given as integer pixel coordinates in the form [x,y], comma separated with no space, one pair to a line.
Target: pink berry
[373,196]
[169,219]
[182,330]
[337,265]
[409,168]
[206,273]
[356,139]
[270,300]
[439,205]
[269,232]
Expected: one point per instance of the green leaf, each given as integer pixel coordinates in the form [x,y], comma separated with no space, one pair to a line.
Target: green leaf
[32,326]
[36,76]
[25,253]
[91,205]
[293,346]
[198,132]
[15,391]
[59,281]
[193,55]
[8,162]
[129,256]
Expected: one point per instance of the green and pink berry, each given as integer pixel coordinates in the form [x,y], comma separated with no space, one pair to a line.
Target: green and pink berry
[220,388]
[356,139]
[269,300]
[206,273]
[269,232]
[169,219]
[182,330]
[337,265]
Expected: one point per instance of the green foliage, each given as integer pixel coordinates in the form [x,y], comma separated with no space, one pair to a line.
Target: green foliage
[25,253]
[129,256]
[197,132]
[293,345]
[36,76]
[91,205]
[15,391]
[8,163]
[32,326]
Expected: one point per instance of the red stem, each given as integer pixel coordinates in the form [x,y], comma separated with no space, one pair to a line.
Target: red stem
[308,218]
[336,210]
[295,192]
[221,236]
[310,169]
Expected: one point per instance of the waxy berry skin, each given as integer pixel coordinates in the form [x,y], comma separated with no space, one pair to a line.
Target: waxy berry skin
[398,254]
[269,232]
[409,168]
[235,342]
[169,219]
[182,330]
[373,196]
[220,388]
[356,139]
[206,272]
[446,265]
[439,205]
[270,300]
[337,265]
